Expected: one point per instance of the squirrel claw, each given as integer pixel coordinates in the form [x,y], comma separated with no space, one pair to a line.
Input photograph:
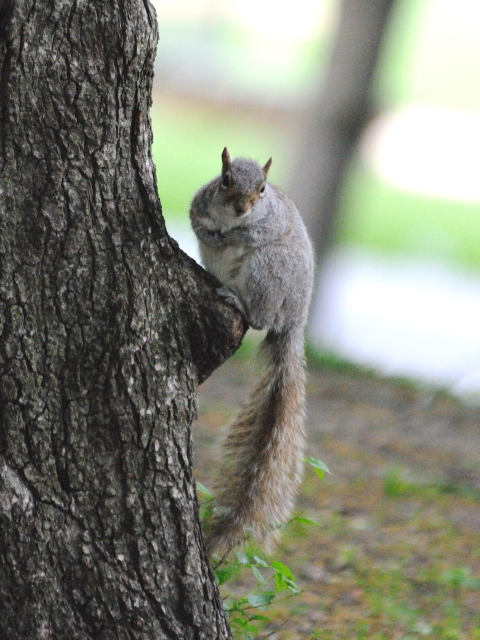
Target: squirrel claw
[231,298]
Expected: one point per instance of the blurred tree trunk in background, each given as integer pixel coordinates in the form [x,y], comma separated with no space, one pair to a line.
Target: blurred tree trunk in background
[106,328]
[339,117]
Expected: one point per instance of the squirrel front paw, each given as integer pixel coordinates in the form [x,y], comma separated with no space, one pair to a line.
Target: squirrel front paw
[231,297]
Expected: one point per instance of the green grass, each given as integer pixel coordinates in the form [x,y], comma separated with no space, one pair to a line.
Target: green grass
[396,486]
[380,217]
[325,359]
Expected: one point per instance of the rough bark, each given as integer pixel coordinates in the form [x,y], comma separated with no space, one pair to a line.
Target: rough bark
[339,116]
[106,328]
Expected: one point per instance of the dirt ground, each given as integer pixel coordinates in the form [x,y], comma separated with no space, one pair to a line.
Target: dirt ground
[397,555]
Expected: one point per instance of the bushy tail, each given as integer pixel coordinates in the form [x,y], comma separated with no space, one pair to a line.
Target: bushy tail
[258,481]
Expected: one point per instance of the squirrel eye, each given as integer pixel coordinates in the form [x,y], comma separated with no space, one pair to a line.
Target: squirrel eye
[226,180]
[262,190]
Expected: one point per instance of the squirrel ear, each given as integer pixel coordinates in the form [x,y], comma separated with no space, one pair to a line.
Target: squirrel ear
[266,168]
[226,161]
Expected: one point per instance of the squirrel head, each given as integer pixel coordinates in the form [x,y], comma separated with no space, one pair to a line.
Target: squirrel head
[243,182]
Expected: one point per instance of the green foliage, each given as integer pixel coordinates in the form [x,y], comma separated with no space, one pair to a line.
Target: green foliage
[319,466]
[202,489]
[458,578]
[380,217]
[395,486]
[328,360]
[249,346]
[273,580]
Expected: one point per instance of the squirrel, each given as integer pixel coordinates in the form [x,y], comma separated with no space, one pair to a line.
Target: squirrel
[252,238]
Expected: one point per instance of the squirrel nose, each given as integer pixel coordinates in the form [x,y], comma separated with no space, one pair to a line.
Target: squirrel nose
[241,207]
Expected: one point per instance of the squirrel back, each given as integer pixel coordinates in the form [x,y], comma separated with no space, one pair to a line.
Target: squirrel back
[253,239]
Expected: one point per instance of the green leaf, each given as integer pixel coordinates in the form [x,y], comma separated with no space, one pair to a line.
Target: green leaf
[280,583]
[203,489]
[242,557]
[320,467]
[284,578]
[258,575]
[261,562]
[292,586]
[225,573]
[282,569]
[303,520]
[244,624]
[257,600]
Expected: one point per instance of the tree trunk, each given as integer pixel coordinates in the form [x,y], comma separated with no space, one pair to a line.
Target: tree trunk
[106,328]
[339,117]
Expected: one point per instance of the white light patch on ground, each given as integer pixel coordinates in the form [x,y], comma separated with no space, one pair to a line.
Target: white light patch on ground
[427,150]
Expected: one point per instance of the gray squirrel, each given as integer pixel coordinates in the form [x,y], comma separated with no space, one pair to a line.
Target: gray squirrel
[252,238]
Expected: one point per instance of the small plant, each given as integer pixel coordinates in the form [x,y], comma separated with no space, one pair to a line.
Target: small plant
[274,580]
[320,467]
[460,577]
[395,486]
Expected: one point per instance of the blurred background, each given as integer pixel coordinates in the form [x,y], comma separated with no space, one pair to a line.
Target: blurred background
[371,111]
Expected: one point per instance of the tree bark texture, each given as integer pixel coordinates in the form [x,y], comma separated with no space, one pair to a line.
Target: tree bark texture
[339,117]
[106,328]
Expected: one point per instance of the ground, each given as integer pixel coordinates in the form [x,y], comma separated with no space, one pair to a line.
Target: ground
[397,555]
